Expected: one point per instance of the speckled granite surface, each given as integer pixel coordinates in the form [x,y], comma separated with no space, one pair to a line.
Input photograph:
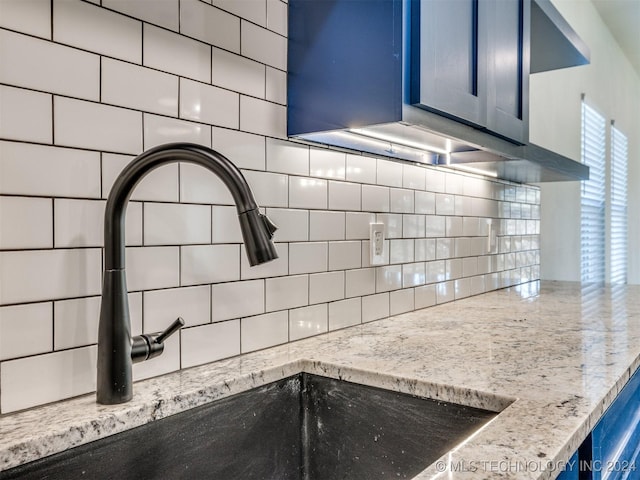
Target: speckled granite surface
[551,358]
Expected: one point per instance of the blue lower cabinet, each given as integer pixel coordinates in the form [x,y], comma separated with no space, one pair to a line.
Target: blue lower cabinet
[571,469]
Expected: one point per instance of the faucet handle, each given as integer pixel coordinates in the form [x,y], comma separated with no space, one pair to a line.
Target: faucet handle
[269,225]
[148,346]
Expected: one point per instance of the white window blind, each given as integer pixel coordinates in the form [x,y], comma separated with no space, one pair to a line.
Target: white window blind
[618,250]
[592,225]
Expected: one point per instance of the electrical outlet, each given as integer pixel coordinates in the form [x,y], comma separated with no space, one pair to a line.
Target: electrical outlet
[377,243]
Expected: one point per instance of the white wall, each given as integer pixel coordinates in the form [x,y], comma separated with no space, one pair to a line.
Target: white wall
[613,87]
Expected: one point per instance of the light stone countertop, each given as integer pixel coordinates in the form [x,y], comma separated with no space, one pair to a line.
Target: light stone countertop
[550,357]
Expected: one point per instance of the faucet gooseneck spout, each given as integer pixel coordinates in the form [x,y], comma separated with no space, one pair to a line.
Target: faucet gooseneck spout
[117,349]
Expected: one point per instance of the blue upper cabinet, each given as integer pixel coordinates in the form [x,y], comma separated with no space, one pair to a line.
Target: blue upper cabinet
[442,82]
[470,61]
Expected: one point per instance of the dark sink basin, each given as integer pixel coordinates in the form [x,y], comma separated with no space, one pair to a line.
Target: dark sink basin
[302,427]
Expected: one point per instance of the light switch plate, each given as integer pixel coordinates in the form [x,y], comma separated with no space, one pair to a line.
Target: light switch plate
[377,243]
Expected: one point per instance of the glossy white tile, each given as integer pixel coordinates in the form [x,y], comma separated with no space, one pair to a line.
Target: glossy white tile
[209,264]
[225,226]
[27,16]
[375,198]
[162,307]
[388,278]
[445,204]
[276,84]
[425,249]
[237,299]
[413,177]
[454,268]
[444,248]
[97,127]
[401,301]
[277,16]
[434,180]
[199,185]
[208,343]
[160,130]
[37,275]
[326,225]
[30,381]
[176,224]
[307,193]
[344,196]
[274,268]
[262,117]
[164,14]
[445,292]
[389,173]
[293,225]
[25,330]
[263,46]
[245,150]
[286,292]
[401,250]
[469,266]
[453,227]
[152,267]
[308,321]
[173,53]
[361,169]
[358,225]
[345,255]
[375,307]
[264,331]
[462,288]
[269,189]
[413,274]
[326,287]
[253,10]
[75,322]
[360,282]
[26,222]
[239,74]
[25,115]
[345,313]
[425,296]
[435,226]
[413,226]
[34,63]
[436,271]
[210,25]
[401,200]
[327,163]
[140,88]
[307,257]
[477,285]
[96,29]
[392,224]
[287,157]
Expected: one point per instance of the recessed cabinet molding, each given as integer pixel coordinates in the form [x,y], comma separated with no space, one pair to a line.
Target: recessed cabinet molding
[426,81]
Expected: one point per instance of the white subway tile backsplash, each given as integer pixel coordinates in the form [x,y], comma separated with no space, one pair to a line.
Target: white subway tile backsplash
[326,225]
[209,264]
[263,46]
[345,313]
[344,196]
[31,381]
[307,321]
[152,267]
[25,222]
[287,157]
[326,287]
[176,224]
[293,225]
[36,275]
[80,223]
[401,250]
[263,118]
[358,225]
[388,278]
[344,255]
[445,292]
[253,10]
[307,193]
[243,149]
[237,299]
[287,292]
[425,296]
[436,271]
[308,257]
[96,127]
[392,224]
[425,249]
[360,169]
[164,14]
[277,16]
[210,25]
[96,29]
[413,274]
[445,248]
[445,204]
[413,226]
[434,180]
[477,285]
[132,86]
[435,226]
[360,282]
[27,16]
[389,173]
[160,185]
[453,227]
[462,288]
[413,177]
[454,268]
[225,226]
[173,53]
[375,307]
[264,331]
[401,301]
[269,189]
[375,198]
[237,73]
[327,163]
[160,130]
[162,307]
[25,330]
[276,84]
[274,268]
[401,200]
[199,185]
[33,63]
[75,322]
[208,343]
[469,266]
[25,115]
